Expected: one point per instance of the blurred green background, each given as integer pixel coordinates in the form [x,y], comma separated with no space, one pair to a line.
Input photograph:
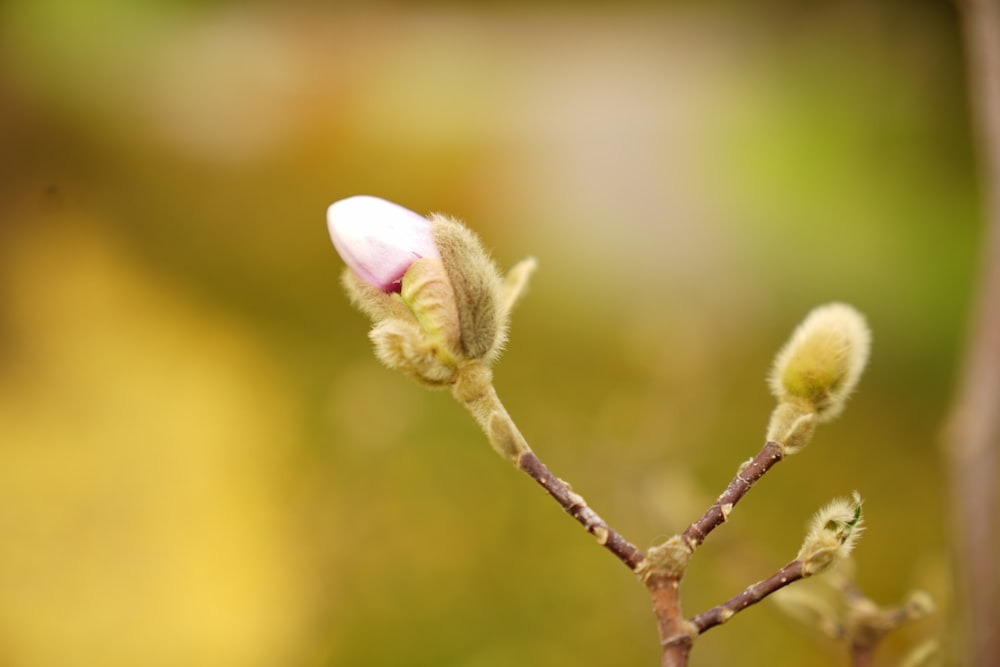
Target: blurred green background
[201,463]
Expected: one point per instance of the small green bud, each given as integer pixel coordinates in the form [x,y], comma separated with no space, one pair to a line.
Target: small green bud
[821,364]
[833,532]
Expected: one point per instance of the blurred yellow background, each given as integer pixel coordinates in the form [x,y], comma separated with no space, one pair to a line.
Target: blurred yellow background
[201,463]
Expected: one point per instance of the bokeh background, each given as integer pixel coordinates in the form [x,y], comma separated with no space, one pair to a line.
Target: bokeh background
[201,463]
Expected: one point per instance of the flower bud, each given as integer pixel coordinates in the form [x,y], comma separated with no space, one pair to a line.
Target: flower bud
[822,362]
[435,296]
[832,535]
[379,240]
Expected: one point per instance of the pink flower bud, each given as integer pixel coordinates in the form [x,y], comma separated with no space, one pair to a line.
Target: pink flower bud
[379,240]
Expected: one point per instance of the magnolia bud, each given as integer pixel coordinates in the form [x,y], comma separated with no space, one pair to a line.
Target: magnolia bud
[822,362]
[379,240]
[435,295]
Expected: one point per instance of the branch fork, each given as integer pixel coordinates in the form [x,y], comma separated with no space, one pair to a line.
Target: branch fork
[440,311]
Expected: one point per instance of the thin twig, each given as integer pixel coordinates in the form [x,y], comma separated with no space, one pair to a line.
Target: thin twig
[577,507]
[751,595]
[868,624]
[974,423]
[745,478]
[664,578]
[474,389]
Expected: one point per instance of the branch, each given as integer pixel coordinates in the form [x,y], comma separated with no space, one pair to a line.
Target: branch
[664,568]
[862,655]
[974,421]
[868,624]
[676,634]
[577,507]
[474,389]
[753,594]
[745,478]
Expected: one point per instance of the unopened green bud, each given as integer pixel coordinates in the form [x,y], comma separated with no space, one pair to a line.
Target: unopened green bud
[821,364]
[833,532]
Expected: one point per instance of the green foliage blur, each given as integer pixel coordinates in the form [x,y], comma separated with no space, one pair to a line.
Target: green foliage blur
[201,463]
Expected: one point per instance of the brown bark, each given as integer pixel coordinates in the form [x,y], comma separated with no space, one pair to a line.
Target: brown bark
[577,507]
[676,634]
[862,655]
[745,478]
[749,596]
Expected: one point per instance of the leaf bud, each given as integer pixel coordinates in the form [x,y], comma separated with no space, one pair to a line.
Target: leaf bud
[832,534]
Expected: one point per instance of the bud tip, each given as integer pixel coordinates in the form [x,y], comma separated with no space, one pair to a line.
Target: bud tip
[379,240]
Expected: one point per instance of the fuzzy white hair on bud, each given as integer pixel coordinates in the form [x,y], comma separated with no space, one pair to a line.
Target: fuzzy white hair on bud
[822,362]
[435,297]
[833,533]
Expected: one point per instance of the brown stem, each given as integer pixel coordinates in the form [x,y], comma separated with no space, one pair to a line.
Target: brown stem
[974,423]
[676,634]
[745,478]
[666,564]
[577,507]
[474,389]
[753,594]
[868,624]
[867,634]
[862,654]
